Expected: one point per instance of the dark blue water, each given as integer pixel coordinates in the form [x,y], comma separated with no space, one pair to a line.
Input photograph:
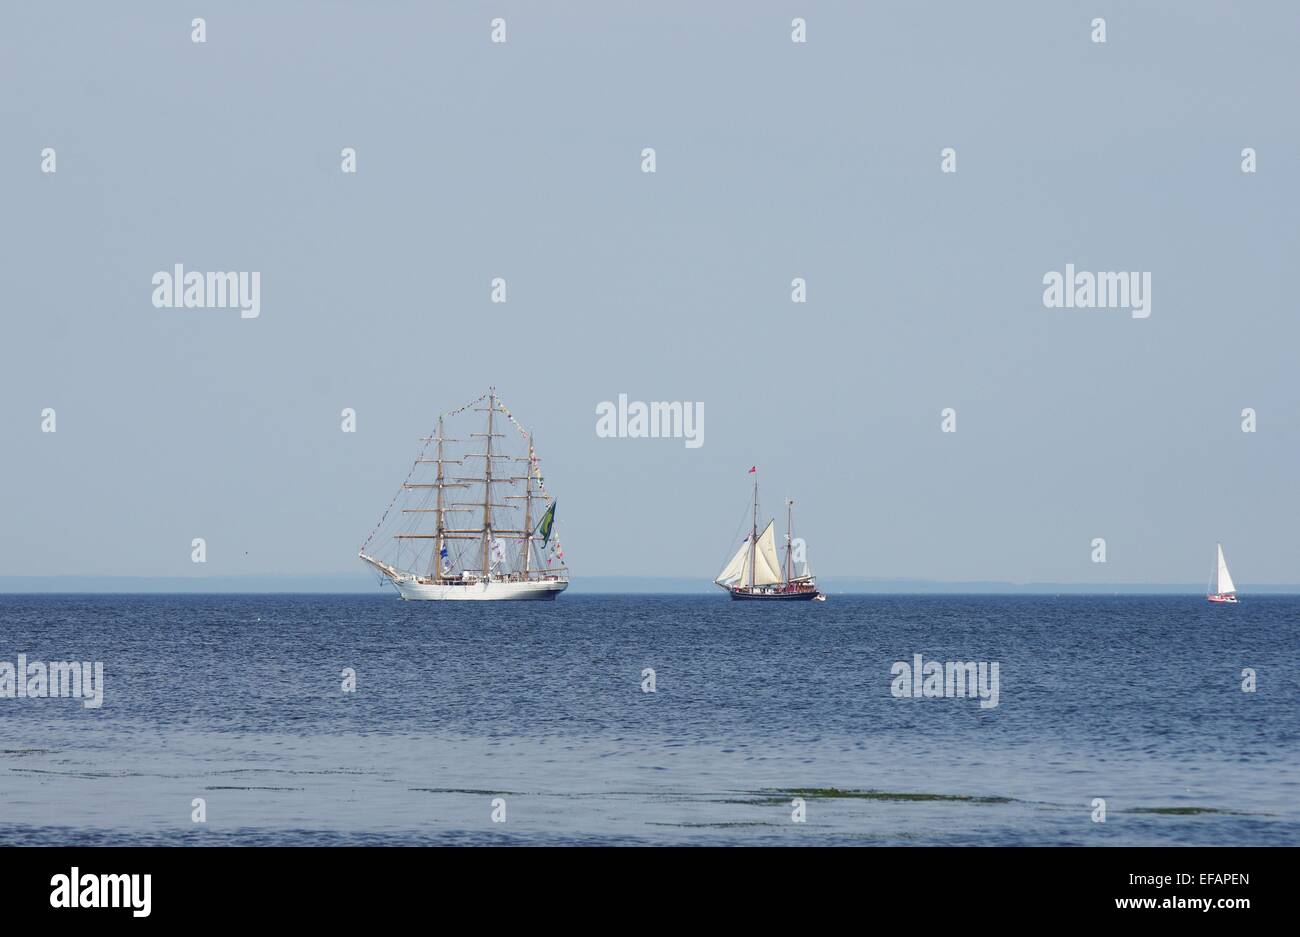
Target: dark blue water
[539,708]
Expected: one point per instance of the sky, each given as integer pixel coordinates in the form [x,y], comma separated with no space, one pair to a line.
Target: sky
[774,160]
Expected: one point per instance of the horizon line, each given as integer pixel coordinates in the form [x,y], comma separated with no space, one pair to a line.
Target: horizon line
[354,584]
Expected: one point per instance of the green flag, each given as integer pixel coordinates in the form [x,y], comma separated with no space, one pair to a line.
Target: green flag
[546,523]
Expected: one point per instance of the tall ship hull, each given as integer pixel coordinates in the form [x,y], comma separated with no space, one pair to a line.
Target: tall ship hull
[754,574]
[482,591]
[474,522]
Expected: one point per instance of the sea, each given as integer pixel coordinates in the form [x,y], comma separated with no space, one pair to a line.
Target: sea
[654,720]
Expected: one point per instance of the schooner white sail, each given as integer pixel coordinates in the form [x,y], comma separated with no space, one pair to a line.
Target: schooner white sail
[473,520]
[766,567]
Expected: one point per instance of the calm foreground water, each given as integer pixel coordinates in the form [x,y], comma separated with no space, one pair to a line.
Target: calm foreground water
[238,700]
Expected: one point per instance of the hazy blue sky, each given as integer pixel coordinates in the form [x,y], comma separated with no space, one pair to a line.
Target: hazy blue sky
[775,160]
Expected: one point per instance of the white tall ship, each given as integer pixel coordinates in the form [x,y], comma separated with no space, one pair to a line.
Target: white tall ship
[473,520]
[1221,589]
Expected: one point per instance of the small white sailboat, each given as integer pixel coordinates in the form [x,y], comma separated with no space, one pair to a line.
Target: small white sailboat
[1222,589]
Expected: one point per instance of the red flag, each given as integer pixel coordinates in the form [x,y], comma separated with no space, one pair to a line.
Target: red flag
[752,470]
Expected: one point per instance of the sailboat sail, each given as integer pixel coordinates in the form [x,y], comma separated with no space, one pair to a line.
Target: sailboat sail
[1223,584]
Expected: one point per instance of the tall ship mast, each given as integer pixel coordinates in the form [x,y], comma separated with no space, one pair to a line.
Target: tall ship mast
[474,519]
[755,573]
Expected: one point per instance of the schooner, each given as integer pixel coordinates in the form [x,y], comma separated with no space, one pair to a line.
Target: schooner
[754,572]
[473,520]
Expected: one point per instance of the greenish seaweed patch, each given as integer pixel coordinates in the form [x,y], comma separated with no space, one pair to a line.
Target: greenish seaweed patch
[233,787]
[834,793]
[459,790]
[755,801]
[712,826]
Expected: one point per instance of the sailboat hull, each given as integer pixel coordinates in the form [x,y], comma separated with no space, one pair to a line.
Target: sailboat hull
[1222,599]
[534,591]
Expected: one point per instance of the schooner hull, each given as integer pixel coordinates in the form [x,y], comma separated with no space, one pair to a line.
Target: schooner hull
[535,591]
[740,596]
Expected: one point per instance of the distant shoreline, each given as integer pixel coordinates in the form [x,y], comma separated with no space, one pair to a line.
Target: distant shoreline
[591,585]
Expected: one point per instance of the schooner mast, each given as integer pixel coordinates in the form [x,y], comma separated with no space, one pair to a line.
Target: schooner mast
[753,535]
[789,537]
